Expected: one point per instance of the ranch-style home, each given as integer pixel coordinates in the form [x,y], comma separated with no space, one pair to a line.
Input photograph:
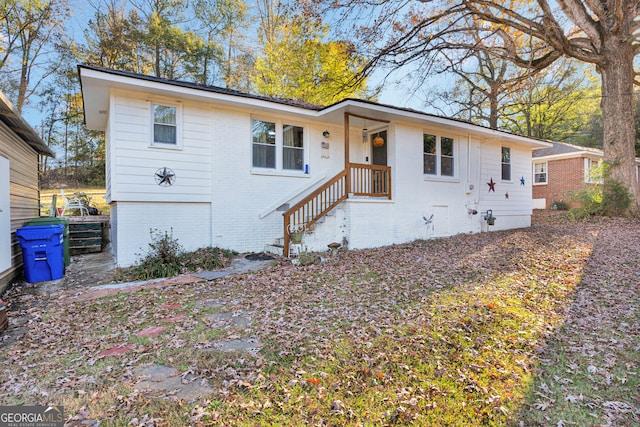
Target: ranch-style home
[217,167]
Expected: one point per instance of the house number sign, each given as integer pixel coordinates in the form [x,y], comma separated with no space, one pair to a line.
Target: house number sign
[165,177]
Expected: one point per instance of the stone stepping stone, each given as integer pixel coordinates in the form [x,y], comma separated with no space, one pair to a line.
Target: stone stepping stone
[151,331]
[237,318]
[171,306]
[117,350]
[168,380]
[209,303]
[250,345]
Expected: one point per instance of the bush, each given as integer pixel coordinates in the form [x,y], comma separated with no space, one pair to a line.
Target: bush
[590,200]
[616,199]
[610,198]
[560,205]
[167,258]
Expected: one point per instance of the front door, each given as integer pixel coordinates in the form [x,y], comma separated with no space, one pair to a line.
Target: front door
[379,158]
[379,148]
[5,216]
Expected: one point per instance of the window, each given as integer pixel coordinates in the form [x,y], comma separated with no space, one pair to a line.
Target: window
[271,138]
[438,155]
[592,171]
[430,154]
[292,147]
[264,144]
[540,173]
[165,125]
[506,164]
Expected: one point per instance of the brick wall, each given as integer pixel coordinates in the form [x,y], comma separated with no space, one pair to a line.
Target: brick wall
[563,176]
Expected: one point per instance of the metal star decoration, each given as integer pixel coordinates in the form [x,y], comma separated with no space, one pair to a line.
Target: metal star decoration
[522,180]
[506,196]
[492,185]
[165,177]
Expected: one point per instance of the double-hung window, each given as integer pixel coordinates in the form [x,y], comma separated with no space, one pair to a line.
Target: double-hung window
[438,155]
[540,173]
[264,144]
[506,164]
[277,145]
[165,125]
[592,171]
[292,147]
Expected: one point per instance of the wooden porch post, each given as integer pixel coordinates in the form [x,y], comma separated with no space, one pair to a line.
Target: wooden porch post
[347,182]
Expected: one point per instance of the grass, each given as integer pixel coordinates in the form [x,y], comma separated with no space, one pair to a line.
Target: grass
[500,329]
[96,195]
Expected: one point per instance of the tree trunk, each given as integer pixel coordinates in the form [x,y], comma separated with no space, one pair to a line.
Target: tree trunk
[618,116]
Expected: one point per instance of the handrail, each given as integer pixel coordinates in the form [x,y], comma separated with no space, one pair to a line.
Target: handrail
[364,180]
[313,207]
[370,180]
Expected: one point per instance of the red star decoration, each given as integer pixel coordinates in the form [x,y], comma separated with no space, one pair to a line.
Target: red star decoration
[492,185]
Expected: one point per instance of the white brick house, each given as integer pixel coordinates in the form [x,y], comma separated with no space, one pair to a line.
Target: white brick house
[228,169]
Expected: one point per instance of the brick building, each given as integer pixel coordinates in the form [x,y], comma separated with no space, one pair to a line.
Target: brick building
[561,170]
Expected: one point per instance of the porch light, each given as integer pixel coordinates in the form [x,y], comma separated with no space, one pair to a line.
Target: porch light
[365,135]
[378,141]
[326,134]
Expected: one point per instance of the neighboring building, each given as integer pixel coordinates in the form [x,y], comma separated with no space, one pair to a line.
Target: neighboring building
[222,168]
[564,169]
[20,148]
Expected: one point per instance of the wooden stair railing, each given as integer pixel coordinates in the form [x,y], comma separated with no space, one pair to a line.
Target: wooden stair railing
[316,205]
[364,180]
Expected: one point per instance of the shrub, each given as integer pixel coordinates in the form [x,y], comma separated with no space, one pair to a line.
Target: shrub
[560,205]
[608,198]
[590,200]
[167,258]
[615,198]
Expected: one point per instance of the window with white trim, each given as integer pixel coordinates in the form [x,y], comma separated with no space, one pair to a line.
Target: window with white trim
[540,173]
[506,164]
[165,125]
[264,144]
[292,147]
[438,155]
[592,171]
[277,145]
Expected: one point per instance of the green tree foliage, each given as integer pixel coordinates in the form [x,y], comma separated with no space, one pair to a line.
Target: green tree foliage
[29,29]
[296,63]
[222,25]
[112,38]
[556,104]
[80,152]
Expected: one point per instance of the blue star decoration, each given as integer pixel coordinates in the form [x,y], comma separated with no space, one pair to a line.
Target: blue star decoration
[522,180]
[492,185]
[165,177]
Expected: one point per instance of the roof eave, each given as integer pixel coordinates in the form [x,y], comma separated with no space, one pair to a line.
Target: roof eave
[16,123]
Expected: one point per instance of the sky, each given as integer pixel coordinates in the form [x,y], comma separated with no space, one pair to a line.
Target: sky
[393,93]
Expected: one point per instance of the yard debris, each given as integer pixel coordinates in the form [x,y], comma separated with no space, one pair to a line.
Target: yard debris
[534,327]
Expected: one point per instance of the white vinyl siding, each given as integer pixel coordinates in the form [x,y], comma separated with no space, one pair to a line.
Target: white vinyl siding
[134,163]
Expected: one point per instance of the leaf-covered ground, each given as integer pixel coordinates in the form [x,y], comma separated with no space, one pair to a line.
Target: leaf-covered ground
[538,326]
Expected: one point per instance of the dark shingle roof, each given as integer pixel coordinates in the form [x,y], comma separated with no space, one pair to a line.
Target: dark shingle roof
[564,148]
[10,117]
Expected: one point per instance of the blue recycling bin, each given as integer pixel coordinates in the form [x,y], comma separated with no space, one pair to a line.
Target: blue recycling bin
[42,252]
